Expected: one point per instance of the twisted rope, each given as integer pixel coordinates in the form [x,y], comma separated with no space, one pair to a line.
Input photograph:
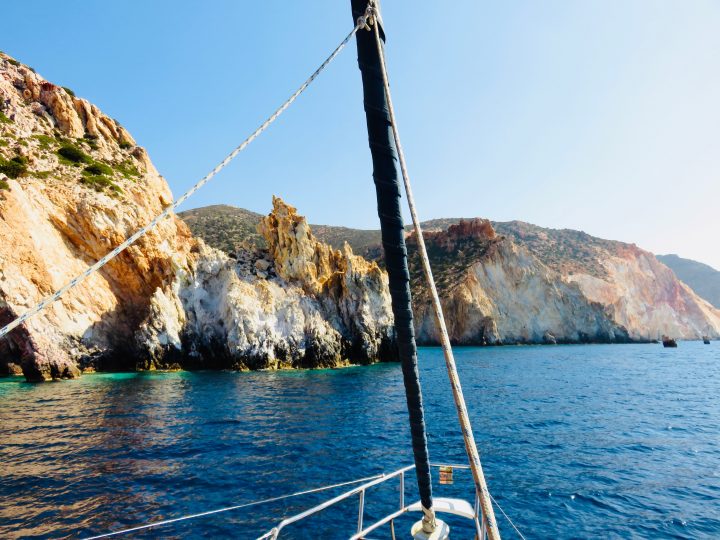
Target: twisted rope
[169,209]
[471,448]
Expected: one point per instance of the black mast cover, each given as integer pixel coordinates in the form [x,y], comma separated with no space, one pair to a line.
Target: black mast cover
[387,186]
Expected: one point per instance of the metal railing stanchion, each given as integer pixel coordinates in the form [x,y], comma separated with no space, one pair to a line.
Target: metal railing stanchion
[361,511]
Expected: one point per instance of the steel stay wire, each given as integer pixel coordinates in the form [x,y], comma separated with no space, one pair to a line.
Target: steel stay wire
[467,433]
[507,517]
[229,508]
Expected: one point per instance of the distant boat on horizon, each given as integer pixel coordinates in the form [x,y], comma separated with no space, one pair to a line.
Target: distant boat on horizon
[668,342]
[706,340]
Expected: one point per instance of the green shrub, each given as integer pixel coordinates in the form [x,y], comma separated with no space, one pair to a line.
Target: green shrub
[90,141]
[15,168]
[45,141]
[98,168]
[73,154]
[4,185]
[99,183]
[127,169]
[125,145]
[4,119]
[3,142]
[13,62]
[70,92]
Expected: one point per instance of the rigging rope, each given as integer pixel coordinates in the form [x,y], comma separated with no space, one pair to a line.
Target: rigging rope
[475,465]
[169,209]
[470,446]
[507,517]
[388,191]
[237,507]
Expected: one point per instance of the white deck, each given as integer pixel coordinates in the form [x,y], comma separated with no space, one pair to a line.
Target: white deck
[457,507]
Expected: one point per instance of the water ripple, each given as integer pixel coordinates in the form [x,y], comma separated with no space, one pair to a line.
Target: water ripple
[578,441]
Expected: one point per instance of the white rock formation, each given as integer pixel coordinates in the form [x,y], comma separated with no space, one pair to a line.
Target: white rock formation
[217,316]
[645,297]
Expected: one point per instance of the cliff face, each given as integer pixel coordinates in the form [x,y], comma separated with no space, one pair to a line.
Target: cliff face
[298,304]
[534,285]
[73,185]
[645,296]
[523,284]
[494,291]
[637,291]
[703,279]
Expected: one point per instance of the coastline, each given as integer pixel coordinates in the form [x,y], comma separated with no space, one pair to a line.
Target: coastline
[346,364]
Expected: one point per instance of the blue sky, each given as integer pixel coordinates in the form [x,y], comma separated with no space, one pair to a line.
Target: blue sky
[602,116]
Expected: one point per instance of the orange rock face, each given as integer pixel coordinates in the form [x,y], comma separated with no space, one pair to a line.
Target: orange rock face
[477,229]
[73,185]
[300,257]
[56,219]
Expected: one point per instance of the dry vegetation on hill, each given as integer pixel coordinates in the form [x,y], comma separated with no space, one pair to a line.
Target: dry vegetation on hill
[224,227]
[228,227]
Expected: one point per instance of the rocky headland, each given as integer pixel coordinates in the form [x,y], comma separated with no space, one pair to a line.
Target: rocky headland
[495,291]
[74,184]
[518,283]
[270,291]
[636,290]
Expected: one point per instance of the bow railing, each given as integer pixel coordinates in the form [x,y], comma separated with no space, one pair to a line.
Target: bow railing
[457,507]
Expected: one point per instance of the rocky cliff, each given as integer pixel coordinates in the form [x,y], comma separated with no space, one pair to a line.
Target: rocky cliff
[73,184]
[298,303]
[637,291]
[523,284]
[702,278]
[495,291]
[228,228]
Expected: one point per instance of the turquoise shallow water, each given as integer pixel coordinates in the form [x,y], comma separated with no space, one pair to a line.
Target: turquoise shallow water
[615,441]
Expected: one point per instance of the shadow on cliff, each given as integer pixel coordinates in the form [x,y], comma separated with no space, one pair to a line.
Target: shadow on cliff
[110,342]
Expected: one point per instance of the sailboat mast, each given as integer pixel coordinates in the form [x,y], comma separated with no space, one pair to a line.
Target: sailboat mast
[387,187]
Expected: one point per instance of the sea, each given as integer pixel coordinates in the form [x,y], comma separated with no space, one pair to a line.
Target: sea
[577,441]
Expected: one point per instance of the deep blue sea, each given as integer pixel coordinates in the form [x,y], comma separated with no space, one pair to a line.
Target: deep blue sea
[610,441]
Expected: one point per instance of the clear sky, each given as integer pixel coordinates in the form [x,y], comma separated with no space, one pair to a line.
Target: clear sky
[598,115]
